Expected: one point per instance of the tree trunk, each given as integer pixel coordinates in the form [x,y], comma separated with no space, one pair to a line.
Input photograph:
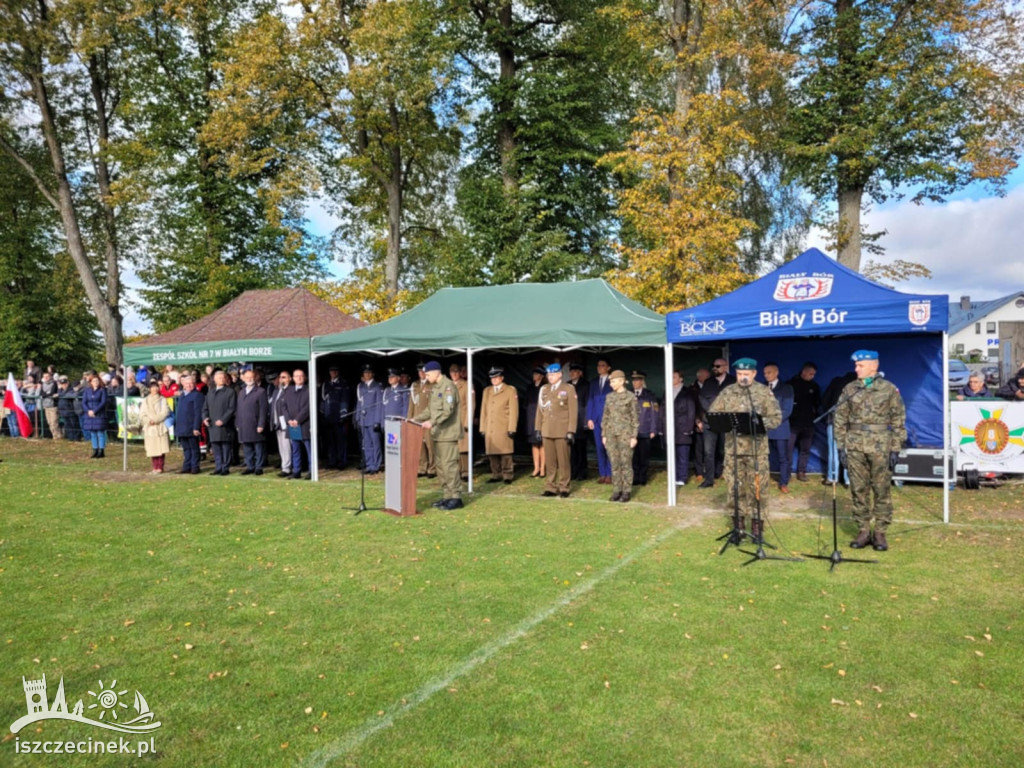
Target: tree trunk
[394,187]
[684,17]
[504,102]
[107,317]
[848,234]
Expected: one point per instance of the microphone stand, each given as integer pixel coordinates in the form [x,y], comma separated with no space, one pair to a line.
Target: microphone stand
[837,556]
[362,470]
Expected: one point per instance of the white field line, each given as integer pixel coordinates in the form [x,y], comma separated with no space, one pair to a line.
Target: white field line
[355,738]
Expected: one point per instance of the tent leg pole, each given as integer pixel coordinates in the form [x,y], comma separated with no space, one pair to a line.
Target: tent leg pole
[469,426]
[946,450]
[670,427]
[314,464]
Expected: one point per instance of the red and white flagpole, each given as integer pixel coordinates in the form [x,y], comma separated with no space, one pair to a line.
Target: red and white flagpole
[13,402]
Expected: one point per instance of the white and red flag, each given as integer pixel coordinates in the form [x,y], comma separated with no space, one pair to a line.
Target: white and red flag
[13,402]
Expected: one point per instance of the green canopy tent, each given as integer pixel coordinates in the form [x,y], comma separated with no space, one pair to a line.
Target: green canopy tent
[588,315]
[271,325]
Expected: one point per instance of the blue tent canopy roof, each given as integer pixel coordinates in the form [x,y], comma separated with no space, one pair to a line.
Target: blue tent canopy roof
[812,295]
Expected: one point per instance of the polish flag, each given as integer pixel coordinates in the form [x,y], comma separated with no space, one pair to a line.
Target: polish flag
[13,402]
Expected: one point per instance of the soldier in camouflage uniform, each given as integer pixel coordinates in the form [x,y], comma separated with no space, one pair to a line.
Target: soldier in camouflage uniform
[445,427]
[742,452]
[870,427]
[619,425]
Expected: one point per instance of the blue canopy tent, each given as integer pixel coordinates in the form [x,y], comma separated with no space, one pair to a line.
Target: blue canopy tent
[813,308]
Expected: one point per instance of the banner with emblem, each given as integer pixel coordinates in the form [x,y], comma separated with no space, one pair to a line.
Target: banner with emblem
[988,435]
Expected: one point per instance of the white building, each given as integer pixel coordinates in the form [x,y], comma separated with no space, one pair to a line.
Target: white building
[974,325]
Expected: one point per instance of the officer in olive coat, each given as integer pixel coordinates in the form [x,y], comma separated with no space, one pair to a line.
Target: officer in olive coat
[444,421]
[557,415]
[499,414]
[419,397]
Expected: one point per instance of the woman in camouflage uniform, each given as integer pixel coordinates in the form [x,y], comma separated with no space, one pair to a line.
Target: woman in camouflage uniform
[619,426]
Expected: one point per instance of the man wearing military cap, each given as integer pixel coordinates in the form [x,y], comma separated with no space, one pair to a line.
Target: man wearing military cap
[557,413]
[870,427]
[395,397]
[648,425]
[578,452]
[369,417]
[444,423]
[499,415]
[619,426]
[743,452]
[419,402]
[334,401]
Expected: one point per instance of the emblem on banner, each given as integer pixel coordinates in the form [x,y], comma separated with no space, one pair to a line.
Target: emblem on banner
[991,434]
[803,288]
[920,312]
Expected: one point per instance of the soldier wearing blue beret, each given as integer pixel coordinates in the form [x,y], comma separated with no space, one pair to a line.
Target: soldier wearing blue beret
[870,427]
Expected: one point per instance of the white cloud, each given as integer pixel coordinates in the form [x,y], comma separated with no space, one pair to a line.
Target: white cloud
[973,247]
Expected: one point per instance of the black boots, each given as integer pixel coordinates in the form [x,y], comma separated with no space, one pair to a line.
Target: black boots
[97,453]
[862,540]
[879,542]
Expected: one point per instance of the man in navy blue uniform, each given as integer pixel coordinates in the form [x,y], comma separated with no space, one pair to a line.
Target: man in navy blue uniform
[599,389]
[649,417]
[369,417]
[188,424]
[778,438]
[334,401]
[395,397]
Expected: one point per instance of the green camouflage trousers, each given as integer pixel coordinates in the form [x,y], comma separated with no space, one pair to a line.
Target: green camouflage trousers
[446,454]
[869,473]
[621,456]
[742,468]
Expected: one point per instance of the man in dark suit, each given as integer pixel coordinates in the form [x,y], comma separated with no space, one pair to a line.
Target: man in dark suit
[188,424]
[578,450]
[334,401]
[295,409]
[219,418]
[599,389]
[806,402]
[714,448]
[252,421]
[778,438]
[649,420]
[685,411]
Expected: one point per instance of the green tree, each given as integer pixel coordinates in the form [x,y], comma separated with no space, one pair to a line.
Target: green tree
[921,95]
[44,315]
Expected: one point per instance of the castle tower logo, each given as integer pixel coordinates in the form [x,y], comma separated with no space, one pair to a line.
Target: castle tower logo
[107,707]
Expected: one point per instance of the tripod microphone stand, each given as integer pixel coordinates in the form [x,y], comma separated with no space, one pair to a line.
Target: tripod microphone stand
[837,556]
[362,473]
[737,534]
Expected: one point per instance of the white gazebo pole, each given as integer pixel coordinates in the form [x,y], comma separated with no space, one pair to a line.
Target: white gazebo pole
[469,396]
[946,448]
[670,427]
[314,464]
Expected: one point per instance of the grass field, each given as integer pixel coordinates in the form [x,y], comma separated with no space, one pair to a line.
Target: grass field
[266,625]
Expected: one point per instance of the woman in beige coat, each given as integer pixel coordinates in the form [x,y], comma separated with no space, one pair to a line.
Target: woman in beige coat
[153,414]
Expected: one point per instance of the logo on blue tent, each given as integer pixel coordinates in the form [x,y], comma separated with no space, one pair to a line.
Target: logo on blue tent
[803,288]
[919,312]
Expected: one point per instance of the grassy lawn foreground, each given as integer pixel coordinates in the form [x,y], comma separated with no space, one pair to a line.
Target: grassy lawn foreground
[267,626]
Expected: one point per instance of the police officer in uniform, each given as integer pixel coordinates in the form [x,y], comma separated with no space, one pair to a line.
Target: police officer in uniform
[619,426]
[499,414]
[444,422]
[578,452]
[743,452]
[649,422]
[334,401]
[419,397]
[870,427]
[557,413]
[369,416]
[395,397]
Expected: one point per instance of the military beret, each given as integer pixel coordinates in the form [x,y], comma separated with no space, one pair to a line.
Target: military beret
[495,371]
[554,368]
[540,369]
[638,375]
[617,374]
[864,354]
[745,364]
[394,372]
[433,365]
[575,366]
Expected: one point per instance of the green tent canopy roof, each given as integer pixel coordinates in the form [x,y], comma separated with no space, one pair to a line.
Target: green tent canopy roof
[258,325]
[522,315]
